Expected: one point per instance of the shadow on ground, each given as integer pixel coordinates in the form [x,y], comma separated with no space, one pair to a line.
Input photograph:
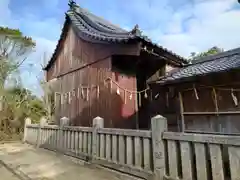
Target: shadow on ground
[38,164]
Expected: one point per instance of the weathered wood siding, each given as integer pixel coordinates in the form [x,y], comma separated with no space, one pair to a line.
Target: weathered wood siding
[72,71]
[210,118]
[203,114]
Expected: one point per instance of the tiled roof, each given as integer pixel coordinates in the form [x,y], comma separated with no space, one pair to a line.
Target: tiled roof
[95,29]
[211,64]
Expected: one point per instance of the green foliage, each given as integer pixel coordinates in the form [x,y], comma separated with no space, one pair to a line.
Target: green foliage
[211,51]
[24,104]
[16,36]
[16,103]
[19,103]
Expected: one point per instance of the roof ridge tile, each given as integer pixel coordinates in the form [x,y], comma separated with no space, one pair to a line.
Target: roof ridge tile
[96,29]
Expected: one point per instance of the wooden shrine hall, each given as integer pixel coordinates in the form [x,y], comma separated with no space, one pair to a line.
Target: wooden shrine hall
[100,69]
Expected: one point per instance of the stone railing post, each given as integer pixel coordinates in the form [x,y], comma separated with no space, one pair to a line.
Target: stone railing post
[98,122]
[42,123]
[64,121]
[27,122]
[159,125]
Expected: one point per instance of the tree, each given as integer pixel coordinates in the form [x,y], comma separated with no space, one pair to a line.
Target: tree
[16,103]
[211,51]
[24,104]
[14,50]
[19,103]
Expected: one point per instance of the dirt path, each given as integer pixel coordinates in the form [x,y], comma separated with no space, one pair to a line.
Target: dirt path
[40,164]
[6,174]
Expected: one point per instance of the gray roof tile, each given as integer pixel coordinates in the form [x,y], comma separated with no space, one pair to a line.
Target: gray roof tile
[99,29]
[212,64]
[95,29]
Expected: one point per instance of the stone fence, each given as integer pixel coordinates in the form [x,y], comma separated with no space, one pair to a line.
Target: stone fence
[135,152]
[154,154]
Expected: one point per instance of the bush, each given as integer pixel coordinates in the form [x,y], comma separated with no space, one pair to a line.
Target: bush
[7,136]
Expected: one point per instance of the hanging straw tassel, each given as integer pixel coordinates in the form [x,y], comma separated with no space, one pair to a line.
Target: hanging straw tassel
[98,92]
[139,99]
[110,85]
[62,98]
[118,91]
[82,92]
[145,94]
[73,93]
[66,97]
[78,92]
[105,83]
[87,94]
[125,97]
[195,92]
[130,97]
[215,99]
[234,97]
[69,97]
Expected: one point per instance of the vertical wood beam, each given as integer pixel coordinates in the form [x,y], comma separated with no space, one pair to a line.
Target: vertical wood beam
[181,111]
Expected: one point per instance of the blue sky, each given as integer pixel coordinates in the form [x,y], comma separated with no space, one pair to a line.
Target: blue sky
[183,26]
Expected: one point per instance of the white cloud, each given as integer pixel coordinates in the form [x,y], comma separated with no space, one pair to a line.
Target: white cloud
[184,27]
[208,23]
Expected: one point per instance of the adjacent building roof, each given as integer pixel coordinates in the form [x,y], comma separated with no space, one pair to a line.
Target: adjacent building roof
[95,29]
[221,62]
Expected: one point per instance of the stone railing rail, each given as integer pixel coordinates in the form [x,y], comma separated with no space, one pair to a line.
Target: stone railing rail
[127,151]
[154,154]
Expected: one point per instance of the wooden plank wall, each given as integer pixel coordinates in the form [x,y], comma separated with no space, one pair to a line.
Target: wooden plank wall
[200,115]
[166,104]
[73,56]
[196,118]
